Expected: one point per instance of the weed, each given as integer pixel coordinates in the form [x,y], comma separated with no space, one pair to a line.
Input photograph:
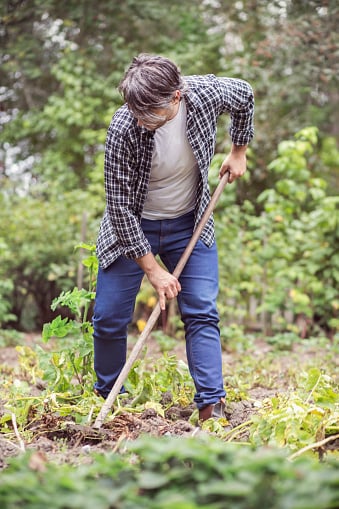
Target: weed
[298,418]
[10,337]
[165,342]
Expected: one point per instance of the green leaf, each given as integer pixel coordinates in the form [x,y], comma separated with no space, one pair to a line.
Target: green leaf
[59,327]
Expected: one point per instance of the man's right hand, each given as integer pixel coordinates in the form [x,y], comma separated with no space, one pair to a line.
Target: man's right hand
[166,285]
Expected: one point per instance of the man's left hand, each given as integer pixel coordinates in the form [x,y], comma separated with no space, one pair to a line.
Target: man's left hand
[235,163]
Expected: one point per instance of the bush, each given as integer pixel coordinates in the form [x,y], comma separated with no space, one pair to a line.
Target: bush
[284,259]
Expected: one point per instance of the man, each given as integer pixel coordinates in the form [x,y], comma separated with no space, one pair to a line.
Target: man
[158,151]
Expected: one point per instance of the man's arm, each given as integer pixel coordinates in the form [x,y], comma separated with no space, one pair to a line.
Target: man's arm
[238,100]
[122,202]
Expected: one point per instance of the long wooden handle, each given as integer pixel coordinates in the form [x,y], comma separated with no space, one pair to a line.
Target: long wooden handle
[107,405]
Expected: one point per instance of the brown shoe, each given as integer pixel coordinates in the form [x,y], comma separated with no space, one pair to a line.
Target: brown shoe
[215,411]
[97,393]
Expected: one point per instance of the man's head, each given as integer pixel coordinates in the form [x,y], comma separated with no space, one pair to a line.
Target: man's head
[152,88]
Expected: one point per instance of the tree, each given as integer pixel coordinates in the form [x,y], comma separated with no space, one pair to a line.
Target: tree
[60,70]
[288,51]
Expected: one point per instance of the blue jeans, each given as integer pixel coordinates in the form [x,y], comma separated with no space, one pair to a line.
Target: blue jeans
[118,285]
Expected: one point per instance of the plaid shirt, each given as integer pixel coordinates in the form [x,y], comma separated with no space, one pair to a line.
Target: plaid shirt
[128,158]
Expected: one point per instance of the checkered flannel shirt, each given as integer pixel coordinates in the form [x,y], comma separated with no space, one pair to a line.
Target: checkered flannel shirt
[128,157]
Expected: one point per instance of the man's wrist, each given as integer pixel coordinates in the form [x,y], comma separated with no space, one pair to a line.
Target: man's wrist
[238,149]
[147,263]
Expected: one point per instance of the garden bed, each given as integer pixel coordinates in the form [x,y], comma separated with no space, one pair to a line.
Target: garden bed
[258,377]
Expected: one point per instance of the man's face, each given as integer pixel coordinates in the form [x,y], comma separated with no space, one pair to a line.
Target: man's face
[160,115]
[163,114]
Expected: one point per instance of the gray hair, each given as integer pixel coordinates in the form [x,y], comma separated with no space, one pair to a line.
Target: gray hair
[150,82]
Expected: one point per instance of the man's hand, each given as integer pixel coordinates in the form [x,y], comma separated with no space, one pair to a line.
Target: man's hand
[166,285]
[235,163]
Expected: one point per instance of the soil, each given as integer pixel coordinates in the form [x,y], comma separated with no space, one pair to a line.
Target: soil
[63,440]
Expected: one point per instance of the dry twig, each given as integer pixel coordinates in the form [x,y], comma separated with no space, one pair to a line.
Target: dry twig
[15,427]
[316,445]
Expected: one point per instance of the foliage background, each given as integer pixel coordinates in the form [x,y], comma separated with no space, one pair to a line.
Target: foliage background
[277,228]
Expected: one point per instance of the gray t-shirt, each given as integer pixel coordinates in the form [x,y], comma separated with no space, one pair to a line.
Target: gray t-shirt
[174,171]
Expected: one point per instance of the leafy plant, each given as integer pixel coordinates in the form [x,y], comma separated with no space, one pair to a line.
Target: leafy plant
[64,371]
[6,285]
[284,340]
[148,385]
[279,268]
[186,473]
[165,342]
[75,360]
[301,417]
[10,337]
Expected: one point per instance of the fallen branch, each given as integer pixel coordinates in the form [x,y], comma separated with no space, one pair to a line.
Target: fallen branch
[316,445]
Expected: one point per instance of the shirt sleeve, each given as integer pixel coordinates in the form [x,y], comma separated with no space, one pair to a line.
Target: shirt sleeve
[120,180]
[237,99]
